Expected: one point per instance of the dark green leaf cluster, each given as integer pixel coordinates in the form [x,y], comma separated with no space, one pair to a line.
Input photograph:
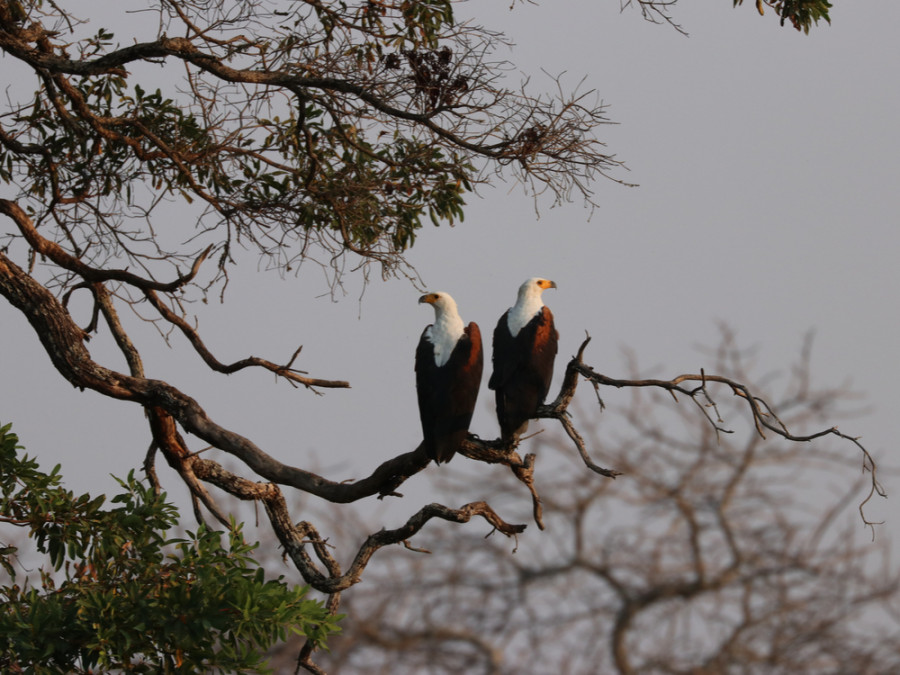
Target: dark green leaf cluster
[126,597]
[801,14]
[363,191]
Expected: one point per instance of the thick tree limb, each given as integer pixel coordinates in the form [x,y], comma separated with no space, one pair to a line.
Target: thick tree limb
[184,49]
[64,342]
[58,255]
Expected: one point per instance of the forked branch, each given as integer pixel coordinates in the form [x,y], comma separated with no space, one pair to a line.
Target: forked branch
[286,371]
[696,387]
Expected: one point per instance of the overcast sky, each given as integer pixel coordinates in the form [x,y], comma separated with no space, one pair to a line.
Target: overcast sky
[769,171]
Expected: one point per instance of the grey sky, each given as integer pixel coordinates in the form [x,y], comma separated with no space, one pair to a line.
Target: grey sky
[769,198]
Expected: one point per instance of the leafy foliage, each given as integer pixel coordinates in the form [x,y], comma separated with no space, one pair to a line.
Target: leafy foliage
[123,596]
[801,14]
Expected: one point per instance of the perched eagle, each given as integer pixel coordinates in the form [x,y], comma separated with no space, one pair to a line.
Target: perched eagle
[449,362]
[525,343]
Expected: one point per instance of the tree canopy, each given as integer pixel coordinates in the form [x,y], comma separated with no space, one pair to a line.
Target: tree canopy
[300,129]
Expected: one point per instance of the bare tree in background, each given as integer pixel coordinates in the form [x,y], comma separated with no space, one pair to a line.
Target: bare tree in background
[137,170]
[712,554]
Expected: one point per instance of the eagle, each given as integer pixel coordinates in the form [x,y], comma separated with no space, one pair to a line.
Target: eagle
[525,345]
[449,363]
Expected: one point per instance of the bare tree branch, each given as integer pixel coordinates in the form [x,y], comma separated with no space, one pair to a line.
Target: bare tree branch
[764,417]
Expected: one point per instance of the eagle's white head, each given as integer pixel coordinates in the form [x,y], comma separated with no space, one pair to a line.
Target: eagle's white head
[528,303]
[448,326]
